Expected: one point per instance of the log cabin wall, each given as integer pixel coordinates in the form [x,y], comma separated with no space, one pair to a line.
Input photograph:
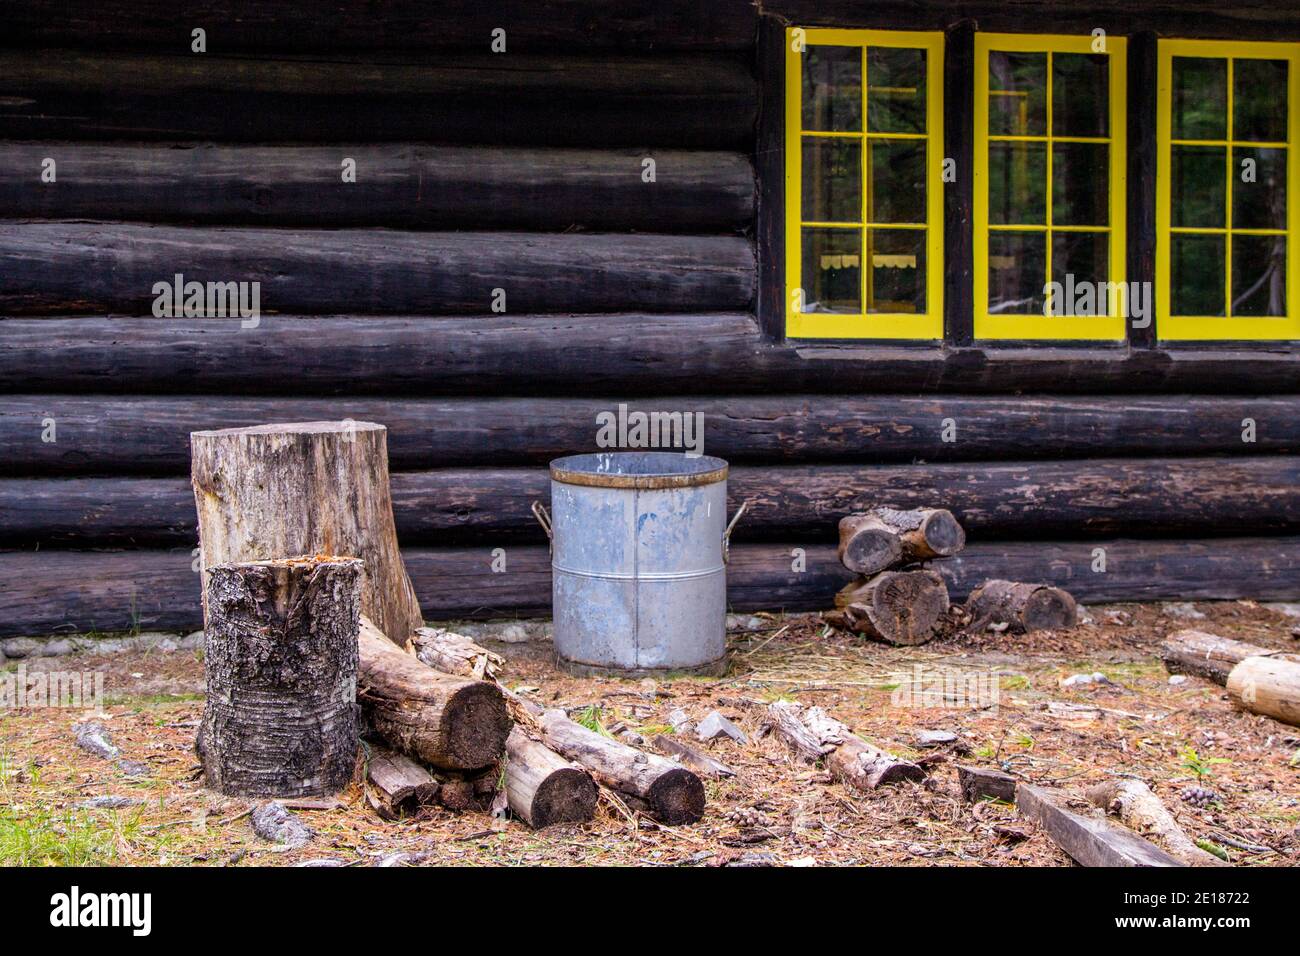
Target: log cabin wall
[523,174]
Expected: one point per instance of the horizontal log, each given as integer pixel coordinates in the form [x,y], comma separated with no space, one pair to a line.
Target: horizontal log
[78,591]
[1092,497]
[52,267]
[638,354]
[700,101]
[280,25]
[145,435]
[398,186]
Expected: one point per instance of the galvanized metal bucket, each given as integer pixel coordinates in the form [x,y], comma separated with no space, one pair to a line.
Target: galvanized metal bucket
[639,550]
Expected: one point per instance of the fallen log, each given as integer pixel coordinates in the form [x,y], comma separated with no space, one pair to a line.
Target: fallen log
[1142,811]
[983,783]
[448,722]
[280,655]
[542,787]
[308,488]
[670,793]
[899,607]
[886,537]
[1205,655]
[398,784]
[1025,607]
[697,760]
[815,736]
[1089,842]
[867,544]
[1268,686]
[453,653]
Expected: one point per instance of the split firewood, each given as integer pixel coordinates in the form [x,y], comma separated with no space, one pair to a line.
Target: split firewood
[885,537]
[670,793]
[814,735]
[1088,841]
[697,760]
[1142,811]
[397,784]
[453,653]
[280,652]
[543,788]
[448,722]
[899,607]
[1259,680]
[1023,607]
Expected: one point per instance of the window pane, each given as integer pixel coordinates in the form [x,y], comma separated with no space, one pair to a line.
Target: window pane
[1018,183]
[1017,272]
[1259,100]
[897,270]
[832,88]
[1080,97]
[1259,188]
[1080,173]
[1080,262]
[1197,186]
[1017,94]
[1258,275]
[897,180]
[1200,98]
[832,180]
[831,273]
[1198,280]
[895,90]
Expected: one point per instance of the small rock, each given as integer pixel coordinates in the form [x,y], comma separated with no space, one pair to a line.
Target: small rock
[57,648]
[20,646]
[744,622]
[191,642]
[715,725]
[935,738]
[166,645]
[680,722]
[133,768]
[1078,680]
[108,803]
[997,627]
[93,738]
[1177,679]
[323,861]
[274,823]
[1184,609]
[1290,610]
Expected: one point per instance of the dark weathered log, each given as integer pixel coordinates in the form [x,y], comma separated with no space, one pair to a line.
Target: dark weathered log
[142,435]
[458,506]
[455,654]
[543,788]
[397,784]
[867,544]
[697,760]
[697,101]
[1088,841]
[447,722]
[397,186]
[71,591]
[899,607]
[619,354]
[1141,810]
[1269,686]
[53,267]
[884,537]
[305,488]
[1024,607]
[983,783]
[280,658]
[276,26]
[814,735]
[1205,655]
[670,793]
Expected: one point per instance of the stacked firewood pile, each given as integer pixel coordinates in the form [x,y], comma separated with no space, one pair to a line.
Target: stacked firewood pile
[897,600]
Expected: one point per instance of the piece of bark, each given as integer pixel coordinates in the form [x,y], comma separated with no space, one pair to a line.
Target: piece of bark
[448,722]
[280,656]
[899,607]
[696,760]
[1205,655]
[93,737]
[815,735]
[273,491]
[1268,686]
[543,788]
[1023,607]
[398,784]
[670,793]
[983,783]
[1142,811]
[456,654]
[272,822]
[1088,841]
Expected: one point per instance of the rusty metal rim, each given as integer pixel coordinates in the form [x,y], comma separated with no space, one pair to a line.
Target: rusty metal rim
[640,482]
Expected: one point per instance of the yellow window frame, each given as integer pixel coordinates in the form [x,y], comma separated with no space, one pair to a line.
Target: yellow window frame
[1226,327]
[866,325]
[1037,326]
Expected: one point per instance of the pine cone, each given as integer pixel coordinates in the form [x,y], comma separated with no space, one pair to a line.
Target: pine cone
[1198,796]
[747,817]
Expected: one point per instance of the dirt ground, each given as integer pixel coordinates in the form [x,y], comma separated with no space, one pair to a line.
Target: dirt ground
[774,810]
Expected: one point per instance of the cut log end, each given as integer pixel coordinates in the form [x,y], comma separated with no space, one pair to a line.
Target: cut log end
[565,796]
[476,723]
[942,533]
[1024,607]
[900,607]
[677,797]
[1049,609]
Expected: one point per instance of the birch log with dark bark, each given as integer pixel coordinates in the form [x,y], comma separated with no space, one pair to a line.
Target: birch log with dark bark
[280,655]
[899,607]
[671,794]
[1025,607]
[542,787]
[815,735]
[308,488]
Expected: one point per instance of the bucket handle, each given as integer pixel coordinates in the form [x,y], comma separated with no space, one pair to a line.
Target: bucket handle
[544,519]
[726,535]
